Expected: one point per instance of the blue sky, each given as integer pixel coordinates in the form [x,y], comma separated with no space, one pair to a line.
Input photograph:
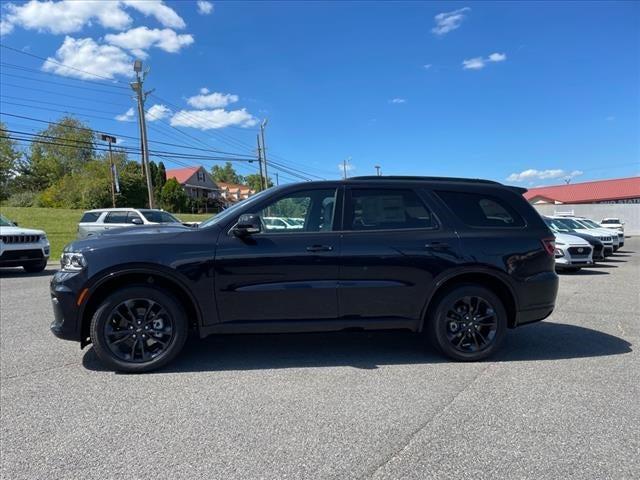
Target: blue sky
[528,93]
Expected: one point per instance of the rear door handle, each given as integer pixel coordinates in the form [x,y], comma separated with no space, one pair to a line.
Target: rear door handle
[319,248]
[436,246]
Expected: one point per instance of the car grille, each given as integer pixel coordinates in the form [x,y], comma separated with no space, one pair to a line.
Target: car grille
[579,251]
[21,255]
[11,239]
[606,239]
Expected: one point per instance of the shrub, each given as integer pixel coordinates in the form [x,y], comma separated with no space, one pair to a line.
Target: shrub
[23,199]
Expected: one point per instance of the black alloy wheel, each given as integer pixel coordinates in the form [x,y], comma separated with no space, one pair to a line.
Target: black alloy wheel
[468,323]
[138,329]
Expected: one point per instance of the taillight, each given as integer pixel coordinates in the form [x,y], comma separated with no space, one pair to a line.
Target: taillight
[549,245]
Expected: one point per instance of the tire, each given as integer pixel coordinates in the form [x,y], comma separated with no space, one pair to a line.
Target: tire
[126,317]
[35,267]
[442,335]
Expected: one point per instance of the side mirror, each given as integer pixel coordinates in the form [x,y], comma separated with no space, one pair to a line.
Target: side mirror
[248,224]
[15,223]
[136,221]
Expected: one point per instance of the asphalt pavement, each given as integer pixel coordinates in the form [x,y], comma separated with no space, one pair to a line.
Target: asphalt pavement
[562,400]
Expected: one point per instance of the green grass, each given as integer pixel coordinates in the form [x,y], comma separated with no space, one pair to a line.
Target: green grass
[61,224]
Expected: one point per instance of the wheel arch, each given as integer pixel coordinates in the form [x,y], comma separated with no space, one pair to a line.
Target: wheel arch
[138,275]
[485,278]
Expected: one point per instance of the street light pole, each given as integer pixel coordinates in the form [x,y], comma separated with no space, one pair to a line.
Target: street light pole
[377,167]
[141,97]
[264,154]
[109,139]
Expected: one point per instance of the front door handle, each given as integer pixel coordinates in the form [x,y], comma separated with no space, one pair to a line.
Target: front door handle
[436,246]
[319,248]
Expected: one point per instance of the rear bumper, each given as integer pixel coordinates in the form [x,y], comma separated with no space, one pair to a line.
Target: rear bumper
[540,292]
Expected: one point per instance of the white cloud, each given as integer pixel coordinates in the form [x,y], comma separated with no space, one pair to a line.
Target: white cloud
[478,63]
[142,38]
[398,100]
[213,119]
[497,57]
[350,167]
[156,8]
[473,63]
[94,60]
[449,21]
[427,66]
[69,16]
[610,118]
[207,99]
[126,116]
[158,112]
[204,8]
[533,174]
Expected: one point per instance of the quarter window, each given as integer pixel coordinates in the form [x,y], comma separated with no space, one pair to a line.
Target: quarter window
[478,210]
[90,217]
[387,210]
[305,211]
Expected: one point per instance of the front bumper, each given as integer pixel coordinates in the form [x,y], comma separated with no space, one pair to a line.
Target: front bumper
[17,255]
[64,290]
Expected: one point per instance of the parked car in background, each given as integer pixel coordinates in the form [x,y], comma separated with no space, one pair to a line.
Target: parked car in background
[612,223]
[606,237]
[618,237]
[596,244]
[458,260]
[572,253]
[97,221]
[23,247]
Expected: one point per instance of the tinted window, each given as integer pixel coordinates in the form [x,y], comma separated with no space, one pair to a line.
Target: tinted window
[90,217]
[479,210]
[131,216]
[158,216]
[386,210]
[610,220]
[116,217]
[306,211]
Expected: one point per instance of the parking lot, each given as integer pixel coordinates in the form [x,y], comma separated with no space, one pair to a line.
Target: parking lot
[560,400]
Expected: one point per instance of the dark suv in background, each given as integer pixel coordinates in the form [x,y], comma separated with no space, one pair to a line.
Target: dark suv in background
[458,260]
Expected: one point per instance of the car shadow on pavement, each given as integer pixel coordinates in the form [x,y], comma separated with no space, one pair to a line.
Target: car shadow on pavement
[584,271]
[369,350]
[19,272]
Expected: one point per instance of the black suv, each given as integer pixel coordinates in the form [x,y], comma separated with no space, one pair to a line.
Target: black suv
[458,260]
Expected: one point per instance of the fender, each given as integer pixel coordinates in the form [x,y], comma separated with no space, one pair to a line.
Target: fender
[141,268]
[465,270]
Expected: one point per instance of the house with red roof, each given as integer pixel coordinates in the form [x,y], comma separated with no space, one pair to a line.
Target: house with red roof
[617,190]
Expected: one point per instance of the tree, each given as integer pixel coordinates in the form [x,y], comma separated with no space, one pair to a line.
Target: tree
[161,176]
[226,174]
[9,156]
[62,148]
[173,196]
[254,182]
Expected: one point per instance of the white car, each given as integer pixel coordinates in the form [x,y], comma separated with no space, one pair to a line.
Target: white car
[612,223]
[572,253]
[605,236]
[282,223]
[94,222]
[23,247]
[618,237]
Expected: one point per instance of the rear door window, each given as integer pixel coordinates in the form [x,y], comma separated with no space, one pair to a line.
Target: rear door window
[116,217]
[387,209]
[480,210]
[90,217]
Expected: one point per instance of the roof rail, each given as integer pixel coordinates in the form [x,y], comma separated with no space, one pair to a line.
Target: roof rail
[568,213]
[420,178]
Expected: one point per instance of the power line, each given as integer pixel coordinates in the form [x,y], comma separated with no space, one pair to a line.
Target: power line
[61,94]
[50,82]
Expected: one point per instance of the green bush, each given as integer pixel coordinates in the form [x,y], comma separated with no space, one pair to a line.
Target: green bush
[23,199]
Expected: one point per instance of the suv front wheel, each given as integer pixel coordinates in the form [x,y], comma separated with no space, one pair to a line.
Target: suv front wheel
[138,329]
[468,323]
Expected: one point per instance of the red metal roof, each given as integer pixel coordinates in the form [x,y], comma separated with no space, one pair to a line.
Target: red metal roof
[587,192]
[182,174]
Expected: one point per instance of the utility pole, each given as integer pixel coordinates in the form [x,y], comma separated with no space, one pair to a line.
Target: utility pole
[345,162]
[264,153]
[141,96]
[109,139]
[277,180]
[260,162]
[377,167]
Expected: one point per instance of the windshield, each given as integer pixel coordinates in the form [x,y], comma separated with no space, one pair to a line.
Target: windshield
[569,223]
[230,211]
[158,216]
[5,223]
[556,226]
[591,223]
[584,224]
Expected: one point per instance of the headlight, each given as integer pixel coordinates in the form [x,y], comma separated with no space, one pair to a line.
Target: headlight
[559,253]
[72,262]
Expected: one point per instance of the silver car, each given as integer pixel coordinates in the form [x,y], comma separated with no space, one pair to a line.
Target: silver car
[94,222]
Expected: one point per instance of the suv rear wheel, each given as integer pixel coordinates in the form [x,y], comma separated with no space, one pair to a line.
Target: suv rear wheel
[138,329]
[468,323]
